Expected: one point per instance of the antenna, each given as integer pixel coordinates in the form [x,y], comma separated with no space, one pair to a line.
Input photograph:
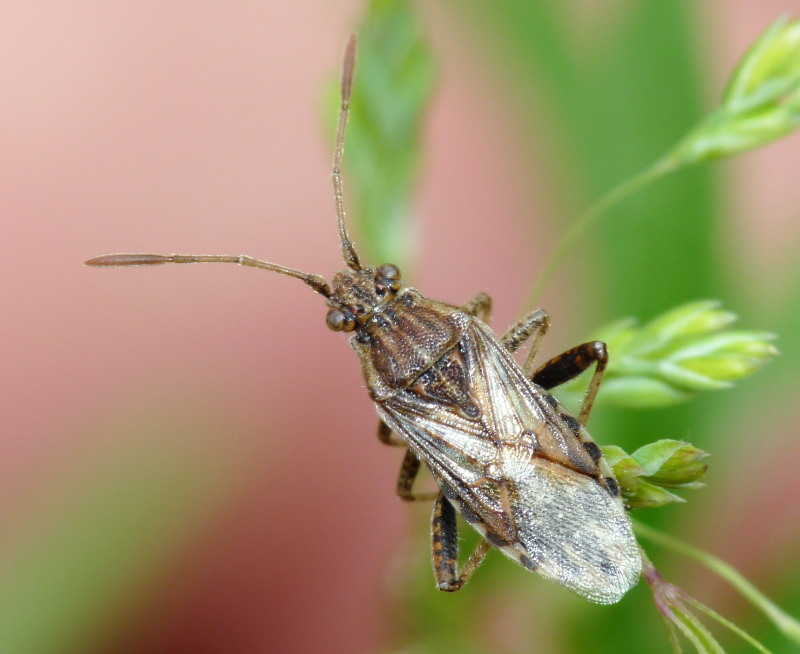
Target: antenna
[314,281]
[114,260]
[348,249]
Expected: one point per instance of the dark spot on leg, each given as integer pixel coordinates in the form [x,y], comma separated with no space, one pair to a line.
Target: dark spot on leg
[612,486]
[495,540]
[528,562]
[573,424]
[594,450]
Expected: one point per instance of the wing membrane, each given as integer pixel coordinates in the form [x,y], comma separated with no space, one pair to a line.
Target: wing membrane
[520,474]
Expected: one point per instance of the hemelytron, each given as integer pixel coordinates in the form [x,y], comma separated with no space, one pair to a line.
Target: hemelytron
[505,454]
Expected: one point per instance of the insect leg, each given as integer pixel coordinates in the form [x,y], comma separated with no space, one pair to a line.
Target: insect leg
[445,548]
[480,305]
[405,480]
[533,325]
[385,435]
[570,364]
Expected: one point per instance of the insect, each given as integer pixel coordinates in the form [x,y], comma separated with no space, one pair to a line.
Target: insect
[505,454]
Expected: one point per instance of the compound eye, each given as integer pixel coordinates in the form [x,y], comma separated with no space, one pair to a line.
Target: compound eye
[389,272]
[388,277]
[340,321]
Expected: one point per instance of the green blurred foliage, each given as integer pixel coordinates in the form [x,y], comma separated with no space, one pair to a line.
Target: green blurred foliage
[621,101]
[679,353]
[393,83]
[761,103]
[71,575]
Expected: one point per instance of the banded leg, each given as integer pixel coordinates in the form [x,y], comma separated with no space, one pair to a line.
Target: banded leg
[385,435]
[570,364]
[534,325]
[408,469]
[479,306]
[405,480]
[445,548]
[562,368]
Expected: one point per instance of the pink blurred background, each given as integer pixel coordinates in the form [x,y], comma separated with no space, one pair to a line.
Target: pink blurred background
[186,127]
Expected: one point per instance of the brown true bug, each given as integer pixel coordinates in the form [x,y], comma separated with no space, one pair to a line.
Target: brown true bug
[504,453]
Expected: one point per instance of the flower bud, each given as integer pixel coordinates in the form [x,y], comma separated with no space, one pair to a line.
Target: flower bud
[690,319]
[671,463]
[768,70]
[683,351]
[761,103]
[640,392]
[714,361]
[645,475]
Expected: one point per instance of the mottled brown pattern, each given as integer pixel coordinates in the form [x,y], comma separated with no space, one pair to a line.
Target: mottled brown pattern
[445,544]
[408,472]
[559,438]
[405,340]
[525,474]
[446,383]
